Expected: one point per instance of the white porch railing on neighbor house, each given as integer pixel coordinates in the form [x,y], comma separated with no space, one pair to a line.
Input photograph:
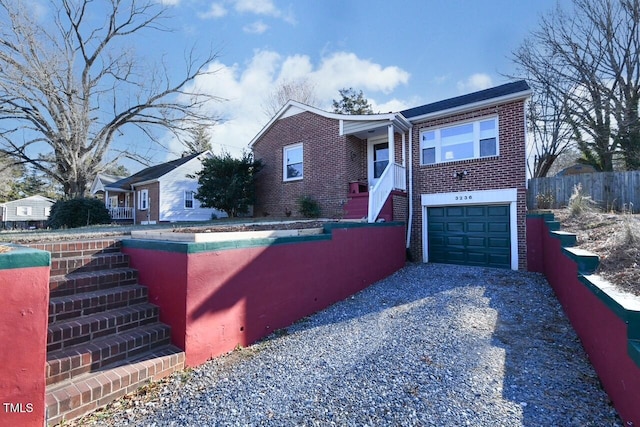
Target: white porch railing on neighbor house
[121,213]
[393,178]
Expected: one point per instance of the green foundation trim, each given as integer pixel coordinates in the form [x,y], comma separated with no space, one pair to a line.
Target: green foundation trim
[23,257]
[567,239]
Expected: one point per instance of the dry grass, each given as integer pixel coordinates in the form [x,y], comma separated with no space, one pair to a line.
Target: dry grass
[614,237]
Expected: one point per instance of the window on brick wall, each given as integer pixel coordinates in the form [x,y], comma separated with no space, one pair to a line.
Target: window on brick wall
[470,140]
[188,199]
[143,200]
[292,163]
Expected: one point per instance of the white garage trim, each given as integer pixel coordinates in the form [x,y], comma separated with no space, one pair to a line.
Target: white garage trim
[485,197]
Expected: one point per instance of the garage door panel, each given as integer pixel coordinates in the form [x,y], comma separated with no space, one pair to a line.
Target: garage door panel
[470,235]
[498,211]
[477,258]
[452,212]
[498,227]
[436,227]
[454,241]
[476,211]
[499,260]
[478,242]
[497,242]
[476,227]
[455,227]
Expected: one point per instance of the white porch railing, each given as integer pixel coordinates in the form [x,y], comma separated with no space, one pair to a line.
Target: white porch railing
[393,178]
[121,213]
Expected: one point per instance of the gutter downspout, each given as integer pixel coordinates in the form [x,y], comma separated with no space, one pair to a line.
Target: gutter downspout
[410,219]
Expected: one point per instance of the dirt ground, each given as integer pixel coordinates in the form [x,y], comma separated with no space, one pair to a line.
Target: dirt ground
[614,237]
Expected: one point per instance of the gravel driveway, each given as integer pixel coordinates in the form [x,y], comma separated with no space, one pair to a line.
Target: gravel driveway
[432,345]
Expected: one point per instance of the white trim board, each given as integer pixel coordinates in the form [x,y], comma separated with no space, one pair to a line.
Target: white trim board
[483,197]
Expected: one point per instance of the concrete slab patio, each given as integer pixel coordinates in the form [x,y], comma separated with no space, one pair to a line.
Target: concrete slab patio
[430,345]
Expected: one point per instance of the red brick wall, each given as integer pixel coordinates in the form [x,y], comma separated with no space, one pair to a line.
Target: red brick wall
[507,170]
[330,162]
[154,197]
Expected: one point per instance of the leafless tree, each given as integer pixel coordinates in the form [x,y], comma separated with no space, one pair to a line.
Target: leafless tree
[549,129]
[592,52]
[69,84]
[300,90]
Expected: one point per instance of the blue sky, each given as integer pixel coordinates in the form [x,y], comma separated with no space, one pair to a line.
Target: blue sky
[400,54]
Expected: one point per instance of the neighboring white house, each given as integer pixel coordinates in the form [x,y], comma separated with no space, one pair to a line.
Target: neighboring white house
[161,193]
[29,212]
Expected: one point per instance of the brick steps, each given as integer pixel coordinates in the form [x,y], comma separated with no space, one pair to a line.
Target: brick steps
[80,329]
[84,394]
[61,285]
[78,248]
[88,263]
[69,306]
[83,358]
[104,337]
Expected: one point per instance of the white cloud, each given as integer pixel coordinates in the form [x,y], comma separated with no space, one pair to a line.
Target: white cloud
[216,10]
[169,2]
[259,7]
[246,87]
[474,83]
[257,27]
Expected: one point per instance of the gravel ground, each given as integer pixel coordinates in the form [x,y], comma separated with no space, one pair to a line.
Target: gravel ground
[432,345]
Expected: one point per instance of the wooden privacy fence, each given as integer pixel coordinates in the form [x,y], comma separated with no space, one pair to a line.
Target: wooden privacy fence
[611,190]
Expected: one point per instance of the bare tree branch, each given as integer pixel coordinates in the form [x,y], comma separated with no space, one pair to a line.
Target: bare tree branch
[72,85]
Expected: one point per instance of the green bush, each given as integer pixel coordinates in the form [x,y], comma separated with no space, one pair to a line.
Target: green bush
[309,207]
[78,212]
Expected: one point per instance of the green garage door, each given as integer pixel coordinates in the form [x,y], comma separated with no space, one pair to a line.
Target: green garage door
[469,235]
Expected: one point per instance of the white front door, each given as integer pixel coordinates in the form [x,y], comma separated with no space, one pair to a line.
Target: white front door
[377,158]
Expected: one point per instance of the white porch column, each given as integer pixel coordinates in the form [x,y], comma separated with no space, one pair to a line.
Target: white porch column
[392,155]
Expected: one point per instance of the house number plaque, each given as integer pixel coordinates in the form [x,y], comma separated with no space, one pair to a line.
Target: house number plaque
[463,197]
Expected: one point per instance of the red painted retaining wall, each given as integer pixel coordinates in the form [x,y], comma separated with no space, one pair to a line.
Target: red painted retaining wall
[218,296]
[24,302]
[603,325]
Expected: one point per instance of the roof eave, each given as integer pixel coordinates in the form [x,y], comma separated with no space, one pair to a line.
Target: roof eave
[473,106]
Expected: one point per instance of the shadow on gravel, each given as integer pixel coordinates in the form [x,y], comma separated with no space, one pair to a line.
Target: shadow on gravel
[512,342]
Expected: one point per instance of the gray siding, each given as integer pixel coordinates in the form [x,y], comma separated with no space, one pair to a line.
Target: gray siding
[18,210]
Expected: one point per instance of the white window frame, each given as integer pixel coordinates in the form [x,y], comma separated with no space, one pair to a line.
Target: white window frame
[189,196]
[437,144]
[285,162]
[143,200]
[24,211]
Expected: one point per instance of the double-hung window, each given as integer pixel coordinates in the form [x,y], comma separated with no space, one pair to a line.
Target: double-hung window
[471,140]
[188,199]
[143,200]
[292,169]
[23,211]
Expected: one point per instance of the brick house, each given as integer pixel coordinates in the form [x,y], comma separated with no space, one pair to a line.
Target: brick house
[453,170]
[160,193]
